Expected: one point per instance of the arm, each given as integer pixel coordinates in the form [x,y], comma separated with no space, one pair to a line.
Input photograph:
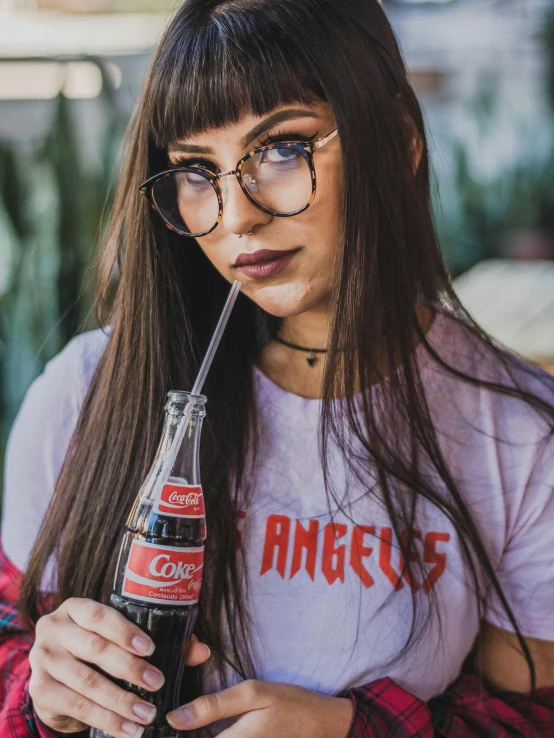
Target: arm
[499,705]
[17,718]
[382,709]
[503,708]
[73,643]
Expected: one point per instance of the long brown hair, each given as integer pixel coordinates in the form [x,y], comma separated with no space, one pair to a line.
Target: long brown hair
[216,61]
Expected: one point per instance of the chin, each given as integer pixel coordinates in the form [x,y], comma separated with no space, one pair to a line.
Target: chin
[284,300]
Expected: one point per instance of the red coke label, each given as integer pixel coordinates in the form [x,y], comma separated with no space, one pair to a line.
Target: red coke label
[180,501]
[163,574]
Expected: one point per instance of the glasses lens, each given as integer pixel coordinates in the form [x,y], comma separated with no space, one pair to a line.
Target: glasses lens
[187,201]
[279,178]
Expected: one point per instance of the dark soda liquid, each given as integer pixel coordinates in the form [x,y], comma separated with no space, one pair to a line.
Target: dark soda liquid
[171,630]
[167,616]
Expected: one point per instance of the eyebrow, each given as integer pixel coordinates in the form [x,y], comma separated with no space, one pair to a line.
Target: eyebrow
[258,129]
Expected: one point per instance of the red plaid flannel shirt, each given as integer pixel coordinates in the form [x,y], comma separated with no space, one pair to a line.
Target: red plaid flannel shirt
[382,708]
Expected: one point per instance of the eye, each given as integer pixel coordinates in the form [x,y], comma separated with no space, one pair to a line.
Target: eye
[189,187]
[279,156]
[192,180]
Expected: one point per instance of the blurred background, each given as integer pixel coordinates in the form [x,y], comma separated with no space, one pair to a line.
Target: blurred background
[71,72]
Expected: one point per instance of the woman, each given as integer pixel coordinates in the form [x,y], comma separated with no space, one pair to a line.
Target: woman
[388,467]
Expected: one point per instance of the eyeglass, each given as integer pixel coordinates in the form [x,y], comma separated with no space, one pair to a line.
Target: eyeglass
[278,178]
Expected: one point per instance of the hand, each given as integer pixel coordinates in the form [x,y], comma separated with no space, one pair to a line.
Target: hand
[68,695]
[268,708]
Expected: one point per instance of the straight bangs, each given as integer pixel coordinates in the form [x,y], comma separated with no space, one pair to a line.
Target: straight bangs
[225,63]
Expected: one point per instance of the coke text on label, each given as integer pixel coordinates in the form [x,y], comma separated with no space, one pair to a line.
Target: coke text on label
[163,574]
[181,501]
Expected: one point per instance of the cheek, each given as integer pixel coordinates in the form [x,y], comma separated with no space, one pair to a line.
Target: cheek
[318,230]
[325,217]
[211,246]
[328,201]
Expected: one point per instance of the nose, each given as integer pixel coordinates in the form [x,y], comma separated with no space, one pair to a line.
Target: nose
[239,214]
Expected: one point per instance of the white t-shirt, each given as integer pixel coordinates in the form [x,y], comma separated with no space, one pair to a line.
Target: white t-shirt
[318,582]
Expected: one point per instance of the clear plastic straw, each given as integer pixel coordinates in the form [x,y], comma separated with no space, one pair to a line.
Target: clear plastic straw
[199,383]
[216,338]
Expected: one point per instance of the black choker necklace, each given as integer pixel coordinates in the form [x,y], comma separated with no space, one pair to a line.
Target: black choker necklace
[311,358]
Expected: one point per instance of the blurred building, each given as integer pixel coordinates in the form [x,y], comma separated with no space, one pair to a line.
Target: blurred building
[514,302]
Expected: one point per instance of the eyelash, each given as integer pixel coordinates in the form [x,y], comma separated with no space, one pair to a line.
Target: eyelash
[268,139]
[281,136]
[188,162]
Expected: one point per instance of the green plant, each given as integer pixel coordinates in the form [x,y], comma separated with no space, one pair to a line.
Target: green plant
[51,205]
[486,212]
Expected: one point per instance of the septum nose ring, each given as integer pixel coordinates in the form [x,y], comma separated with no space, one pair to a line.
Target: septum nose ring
[248,234]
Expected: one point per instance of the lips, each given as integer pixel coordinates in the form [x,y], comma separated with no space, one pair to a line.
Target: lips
[261,256]
[264,263]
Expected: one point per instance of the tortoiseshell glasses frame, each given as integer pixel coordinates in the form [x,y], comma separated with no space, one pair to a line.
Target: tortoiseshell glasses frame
[306,149]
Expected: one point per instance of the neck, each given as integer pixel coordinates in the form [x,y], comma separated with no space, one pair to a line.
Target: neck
[310,329]
[288,368]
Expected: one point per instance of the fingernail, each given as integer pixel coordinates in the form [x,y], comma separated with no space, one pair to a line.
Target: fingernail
[132,729]
[144,710]
[154,679]
[143,644]
[180,717]
[209,650]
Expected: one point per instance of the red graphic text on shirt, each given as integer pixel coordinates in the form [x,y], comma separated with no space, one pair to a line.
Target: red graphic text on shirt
[369,551]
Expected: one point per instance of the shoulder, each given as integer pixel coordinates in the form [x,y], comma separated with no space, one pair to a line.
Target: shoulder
[76,362]
[499,443]
[40,437]
[57,395]
[503,388]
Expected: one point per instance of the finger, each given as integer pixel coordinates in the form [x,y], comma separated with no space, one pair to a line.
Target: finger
[109,623]
[67,711]
[198,652]
[114,660]
[243,697]
[98,689]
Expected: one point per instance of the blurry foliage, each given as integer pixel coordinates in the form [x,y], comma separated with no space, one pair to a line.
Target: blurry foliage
[548,42]
[51,206]
[486,211]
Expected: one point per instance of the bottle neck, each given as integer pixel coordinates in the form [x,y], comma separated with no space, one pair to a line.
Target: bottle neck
[190,409]
[183,472]
[186,463]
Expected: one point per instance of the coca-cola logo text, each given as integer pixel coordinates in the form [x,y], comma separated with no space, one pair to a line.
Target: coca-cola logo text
[192,498]
[171,569]
[180,500]
[156,573]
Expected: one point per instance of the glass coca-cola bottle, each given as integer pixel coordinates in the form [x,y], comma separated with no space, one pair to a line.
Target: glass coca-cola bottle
[160,565]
